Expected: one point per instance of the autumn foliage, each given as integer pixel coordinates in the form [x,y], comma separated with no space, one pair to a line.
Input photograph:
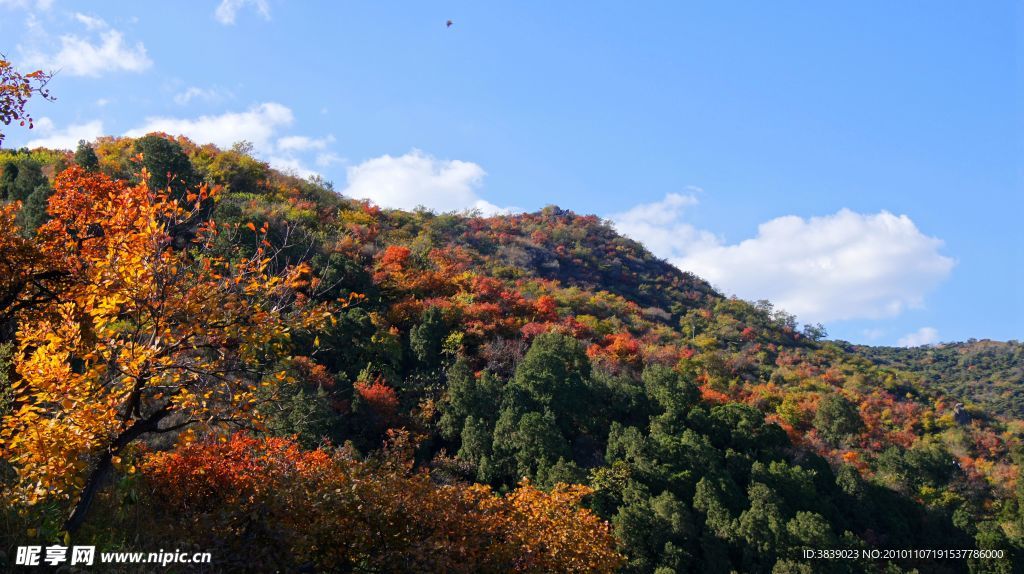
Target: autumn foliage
[123,352]
[268,500]
[16,88]
[219,363]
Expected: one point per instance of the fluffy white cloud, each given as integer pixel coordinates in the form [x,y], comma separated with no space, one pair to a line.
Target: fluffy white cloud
[105,51]
[304,143]
[66,138]
[920,337]
[660,227]
[841,266]
[227,10]
[417,179]
[290,165]
[196,93]
[488,209]
[258,125]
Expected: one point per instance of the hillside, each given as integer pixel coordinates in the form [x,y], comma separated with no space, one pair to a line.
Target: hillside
[712,434]
[986,375]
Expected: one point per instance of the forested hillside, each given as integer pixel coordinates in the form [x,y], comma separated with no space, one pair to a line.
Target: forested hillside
[201,349]
[988,376]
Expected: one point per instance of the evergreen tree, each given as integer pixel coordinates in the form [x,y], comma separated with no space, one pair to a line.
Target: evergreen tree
[837,418]
[467,397]
[7,179]
[167,164]
[427,338]
[85,156]
[33,211]
[555,374]
[20,179]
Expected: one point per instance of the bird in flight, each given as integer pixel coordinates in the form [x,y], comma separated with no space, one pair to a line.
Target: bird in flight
[448,24]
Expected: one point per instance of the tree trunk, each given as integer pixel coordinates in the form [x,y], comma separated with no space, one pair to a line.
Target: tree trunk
[105,464]
[92,486]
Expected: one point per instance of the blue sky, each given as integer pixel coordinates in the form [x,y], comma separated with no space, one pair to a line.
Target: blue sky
[857,163]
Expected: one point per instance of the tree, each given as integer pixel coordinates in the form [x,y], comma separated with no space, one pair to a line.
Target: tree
[16,89]
[671,391]
[709,498]
[476,443]
[30,278]
[339,512]
[810,530]
[237,170]
[762,525]
[33,211]
[20,179]
[122,354]
[655,532]
[300,413]
[167,165]
[815,332]
[85,156]
[467,397]
[537,443]
[991,537]
[426,339]
[837,418]
[555,374]
[7,178]
[6,366]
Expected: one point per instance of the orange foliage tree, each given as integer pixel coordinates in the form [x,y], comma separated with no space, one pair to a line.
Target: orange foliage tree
[332,510]
[146,337]
[29,278]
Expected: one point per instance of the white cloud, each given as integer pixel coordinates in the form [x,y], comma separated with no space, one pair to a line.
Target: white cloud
[260,125]
[920,337]
[90,22]
[45,125]
[842,266]
[106,51]
[257,125]
[328,158]
[42,5]
[303,143]
[196,93]
[416,179]
[227,11]
[660,227]
[290,165]
[488,209]
[67,138]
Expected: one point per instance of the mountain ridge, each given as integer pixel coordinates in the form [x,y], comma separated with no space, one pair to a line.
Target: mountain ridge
[715,433]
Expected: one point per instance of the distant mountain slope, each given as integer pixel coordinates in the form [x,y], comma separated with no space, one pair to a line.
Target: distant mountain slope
[584,251]
[985,375]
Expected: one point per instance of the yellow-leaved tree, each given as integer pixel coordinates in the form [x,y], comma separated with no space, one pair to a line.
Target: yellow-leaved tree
[152,333]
